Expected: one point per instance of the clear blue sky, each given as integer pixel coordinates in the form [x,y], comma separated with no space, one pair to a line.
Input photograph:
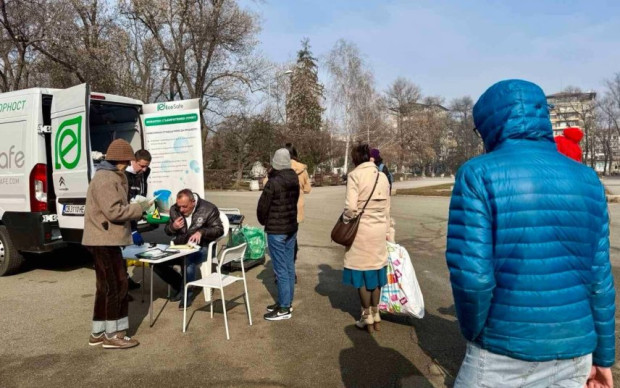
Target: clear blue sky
[455,48]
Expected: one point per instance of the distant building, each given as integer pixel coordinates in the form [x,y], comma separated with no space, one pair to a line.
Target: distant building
[569,109]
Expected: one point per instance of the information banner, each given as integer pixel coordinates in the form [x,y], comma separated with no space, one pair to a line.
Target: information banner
[172,136]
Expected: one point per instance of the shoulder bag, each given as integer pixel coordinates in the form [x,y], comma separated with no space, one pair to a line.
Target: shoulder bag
[344,233]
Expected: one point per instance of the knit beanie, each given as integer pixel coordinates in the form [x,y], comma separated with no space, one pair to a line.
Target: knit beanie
[120,151]
[374,153]
[281,159]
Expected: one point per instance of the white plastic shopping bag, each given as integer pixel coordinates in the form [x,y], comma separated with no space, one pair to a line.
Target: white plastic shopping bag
[401,294]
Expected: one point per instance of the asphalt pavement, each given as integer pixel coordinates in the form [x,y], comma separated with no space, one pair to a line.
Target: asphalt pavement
[46,317]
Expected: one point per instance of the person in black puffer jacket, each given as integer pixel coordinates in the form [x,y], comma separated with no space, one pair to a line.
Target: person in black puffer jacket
[277,211]
[192,220]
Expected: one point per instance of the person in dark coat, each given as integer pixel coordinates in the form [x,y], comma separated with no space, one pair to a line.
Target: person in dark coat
[195,221]
[137,174]
[528,253]
[277,211]
[568,143]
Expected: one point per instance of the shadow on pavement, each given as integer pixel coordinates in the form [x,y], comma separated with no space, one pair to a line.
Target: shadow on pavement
[268,278]
[66,259]
[367,364]
[441,340]
[341,297]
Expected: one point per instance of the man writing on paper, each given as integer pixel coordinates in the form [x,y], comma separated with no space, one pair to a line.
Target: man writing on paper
[192,221]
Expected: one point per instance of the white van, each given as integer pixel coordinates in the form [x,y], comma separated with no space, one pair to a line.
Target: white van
[47,139]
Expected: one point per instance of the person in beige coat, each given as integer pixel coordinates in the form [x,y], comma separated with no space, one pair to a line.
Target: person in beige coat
[304,187]
[106,228]
[365,261]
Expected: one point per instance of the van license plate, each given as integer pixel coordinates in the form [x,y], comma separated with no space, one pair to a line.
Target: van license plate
[73,210]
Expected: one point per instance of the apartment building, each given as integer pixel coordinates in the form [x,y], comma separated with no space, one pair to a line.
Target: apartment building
[570,109]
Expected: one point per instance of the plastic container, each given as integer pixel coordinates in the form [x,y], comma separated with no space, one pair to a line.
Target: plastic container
[162,200]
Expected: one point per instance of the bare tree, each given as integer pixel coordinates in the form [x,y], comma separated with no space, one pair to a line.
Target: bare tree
[207,47]
[463,139]
[17,56]
[401,99]
[349,83]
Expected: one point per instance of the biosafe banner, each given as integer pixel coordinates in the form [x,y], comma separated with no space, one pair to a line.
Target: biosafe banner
[172,136]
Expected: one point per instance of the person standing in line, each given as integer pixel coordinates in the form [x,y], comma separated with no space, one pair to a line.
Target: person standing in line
[528,254]
[277,211]
[365,262]
[375,157]
[137,174]
[304,188]
[106,228]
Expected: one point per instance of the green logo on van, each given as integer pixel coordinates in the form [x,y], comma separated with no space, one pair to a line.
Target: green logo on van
[68,143]
[161,106]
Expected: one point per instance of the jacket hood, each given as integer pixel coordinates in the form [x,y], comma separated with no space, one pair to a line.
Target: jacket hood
[105,165]
[574,134]
[512,109]
[298,167]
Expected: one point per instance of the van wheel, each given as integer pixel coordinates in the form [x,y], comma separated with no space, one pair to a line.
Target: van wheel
[10,259]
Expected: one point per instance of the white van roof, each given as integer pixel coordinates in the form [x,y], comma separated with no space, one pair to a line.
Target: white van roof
[29,91]
[93,95]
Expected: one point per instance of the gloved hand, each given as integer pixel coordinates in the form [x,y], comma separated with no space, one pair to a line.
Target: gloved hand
[137,238]
[146,204]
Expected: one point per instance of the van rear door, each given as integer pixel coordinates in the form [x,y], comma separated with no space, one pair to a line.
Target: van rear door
[70,158]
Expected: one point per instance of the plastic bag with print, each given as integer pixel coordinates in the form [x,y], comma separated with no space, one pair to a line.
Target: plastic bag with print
[402,293]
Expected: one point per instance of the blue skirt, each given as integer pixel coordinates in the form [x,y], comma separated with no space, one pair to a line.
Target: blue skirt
[370,279]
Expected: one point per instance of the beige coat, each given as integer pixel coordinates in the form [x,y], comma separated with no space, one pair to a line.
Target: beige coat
[107,215]
[304,187]
[369,250]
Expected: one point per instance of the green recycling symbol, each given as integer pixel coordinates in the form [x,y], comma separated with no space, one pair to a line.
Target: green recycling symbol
[68,136]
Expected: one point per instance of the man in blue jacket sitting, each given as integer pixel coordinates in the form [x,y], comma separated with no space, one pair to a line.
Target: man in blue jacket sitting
[528,253]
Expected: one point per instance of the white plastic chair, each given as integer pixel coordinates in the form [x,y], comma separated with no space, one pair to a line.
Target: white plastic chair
[219,281]
[205,267]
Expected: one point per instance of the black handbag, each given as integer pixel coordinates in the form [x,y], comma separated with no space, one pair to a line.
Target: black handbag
[344,233]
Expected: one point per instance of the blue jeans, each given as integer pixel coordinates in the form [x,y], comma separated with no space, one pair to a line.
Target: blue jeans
[482,368]
[282,252]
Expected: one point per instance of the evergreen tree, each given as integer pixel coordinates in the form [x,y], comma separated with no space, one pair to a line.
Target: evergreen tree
[304,110]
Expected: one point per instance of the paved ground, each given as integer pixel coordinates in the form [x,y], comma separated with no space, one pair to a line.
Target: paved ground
[46,313]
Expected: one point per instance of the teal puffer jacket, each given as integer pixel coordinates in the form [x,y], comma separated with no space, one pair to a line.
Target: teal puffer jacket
[528,239]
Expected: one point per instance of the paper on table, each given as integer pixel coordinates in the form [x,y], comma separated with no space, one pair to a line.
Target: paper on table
[183,246]
[153,253]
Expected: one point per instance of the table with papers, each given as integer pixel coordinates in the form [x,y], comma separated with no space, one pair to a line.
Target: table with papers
[158,254]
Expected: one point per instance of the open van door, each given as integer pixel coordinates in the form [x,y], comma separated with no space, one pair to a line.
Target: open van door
[70,158]
[172,135]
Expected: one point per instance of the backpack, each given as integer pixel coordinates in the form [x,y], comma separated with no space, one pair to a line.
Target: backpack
[389,174]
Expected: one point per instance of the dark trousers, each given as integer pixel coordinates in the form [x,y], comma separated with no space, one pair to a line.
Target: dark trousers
[167,273]
[111,303]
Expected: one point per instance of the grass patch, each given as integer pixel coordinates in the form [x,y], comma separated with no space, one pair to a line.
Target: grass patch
[443,190]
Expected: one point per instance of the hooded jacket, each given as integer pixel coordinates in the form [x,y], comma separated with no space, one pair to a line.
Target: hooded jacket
[277,206]
[568,144]
[108,213]
[205,219]
[528,239]
[137,183]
